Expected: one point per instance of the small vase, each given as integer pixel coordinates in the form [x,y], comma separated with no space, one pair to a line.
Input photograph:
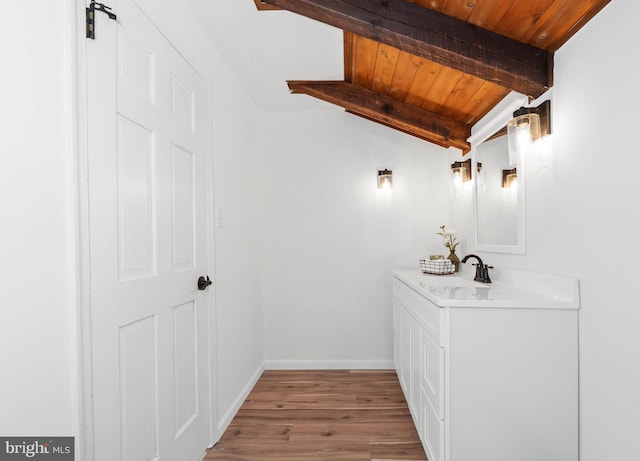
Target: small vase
[455,260]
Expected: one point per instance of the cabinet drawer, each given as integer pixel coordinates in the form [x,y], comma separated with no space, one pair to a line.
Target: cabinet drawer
[428,315]
[432,372]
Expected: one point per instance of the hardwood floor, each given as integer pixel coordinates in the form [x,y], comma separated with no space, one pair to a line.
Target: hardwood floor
[322,415]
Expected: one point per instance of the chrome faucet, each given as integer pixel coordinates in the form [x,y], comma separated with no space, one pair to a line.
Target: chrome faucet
[482,270]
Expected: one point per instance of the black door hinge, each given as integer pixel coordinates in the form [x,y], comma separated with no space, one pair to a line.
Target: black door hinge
[91,15]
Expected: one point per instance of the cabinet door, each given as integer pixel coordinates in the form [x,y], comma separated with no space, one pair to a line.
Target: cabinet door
[405,352]
[432,372]
[431,429]
[397,335]
[410,361]
[414,368]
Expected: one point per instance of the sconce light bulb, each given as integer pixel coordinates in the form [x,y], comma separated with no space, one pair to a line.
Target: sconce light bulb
[462,170]
[509,178]
[522,131]
[457,179]
[523,121]
[385,179]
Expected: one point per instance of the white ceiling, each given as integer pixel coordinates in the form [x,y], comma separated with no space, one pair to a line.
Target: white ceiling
[264,49]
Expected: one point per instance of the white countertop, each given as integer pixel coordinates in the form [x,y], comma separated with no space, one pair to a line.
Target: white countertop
[525,290]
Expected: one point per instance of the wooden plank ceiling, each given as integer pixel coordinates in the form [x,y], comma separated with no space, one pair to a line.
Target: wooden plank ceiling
[433,68]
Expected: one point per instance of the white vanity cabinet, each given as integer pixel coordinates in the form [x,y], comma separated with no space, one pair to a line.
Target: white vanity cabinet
[487,383]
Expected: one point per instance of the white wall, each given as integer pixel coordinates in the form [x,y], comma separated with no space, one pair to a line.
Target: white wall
[597,159]
[237,274]
[583,221]
[329,239]
[37,274]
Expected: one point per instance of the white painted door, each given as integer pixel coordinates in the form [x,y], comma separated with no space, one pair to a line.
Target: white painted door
[147,223]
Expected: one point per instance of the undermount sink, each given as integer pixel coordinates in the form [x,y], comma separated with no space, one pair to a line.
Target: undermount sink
[519,290]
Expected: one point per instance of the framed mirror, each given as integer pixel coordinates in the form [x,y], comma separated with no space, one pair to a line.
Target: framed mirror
[499,187]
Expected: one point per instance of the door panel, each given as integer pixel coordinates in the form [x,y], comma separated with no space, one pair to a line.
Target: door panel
[182,103]
[136,66]
[147,224]
[183,209]
[185,351]
[138,389]
[136,200]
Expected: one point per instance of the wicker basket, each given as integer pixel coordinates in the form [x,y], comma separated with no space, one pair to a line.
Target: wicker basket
[437,266]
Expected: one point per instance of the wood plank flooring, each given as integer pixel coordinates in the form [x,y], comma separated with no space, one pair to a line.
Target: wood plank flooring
[322,415]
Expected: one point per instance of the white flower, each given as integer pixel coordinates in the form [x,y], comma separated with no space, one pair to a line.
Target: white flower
[449,237]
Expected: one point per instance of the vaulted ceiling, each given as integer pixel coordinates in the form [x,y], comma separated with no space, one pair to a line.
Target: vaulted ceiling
[433,68]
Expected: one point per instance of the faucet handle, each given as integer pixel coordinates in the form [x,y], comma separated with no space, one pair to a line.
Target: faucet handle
[485,277]
[479,272]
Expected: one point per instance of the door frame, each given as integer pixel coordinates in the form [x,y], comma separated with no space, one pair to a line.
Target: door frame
[164,19]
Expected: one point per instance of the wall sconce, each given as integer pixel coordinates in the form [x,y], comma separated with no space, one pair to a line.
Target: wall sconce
[509,177]
[385,179]
[527,126]
[463,169]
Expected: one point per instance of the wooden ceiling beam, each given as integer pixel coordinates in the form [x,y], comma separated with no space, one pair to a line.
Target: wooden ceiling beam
[440,38]
[388,111]
[263,6]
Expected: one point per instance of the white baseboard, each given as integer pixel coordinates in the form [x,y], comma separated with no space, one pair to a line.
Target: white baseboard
[224,422]
[329,365]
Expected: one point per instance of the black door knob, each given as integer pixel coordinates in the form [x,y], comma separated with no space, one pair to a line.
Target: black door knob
[203,283]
